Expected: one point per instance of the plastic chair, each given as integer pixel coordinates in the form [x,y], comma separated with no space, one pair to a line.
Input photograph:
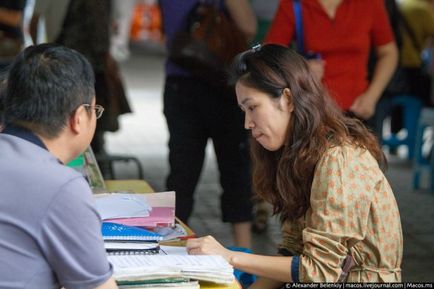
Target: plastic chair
[106,163]
[421,163]
[412,107]
[246,279]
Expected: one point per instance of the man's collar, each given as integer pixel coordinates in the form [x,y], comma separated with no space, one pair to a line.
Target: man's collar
[24,134]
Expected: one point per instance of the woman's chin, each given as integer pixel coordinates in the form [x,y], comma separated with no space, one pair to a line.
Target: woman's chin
[270,147]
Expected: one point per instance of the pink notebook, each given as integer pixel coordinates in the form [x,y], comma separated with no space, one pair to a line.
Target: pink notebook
[159,216]
[162,213]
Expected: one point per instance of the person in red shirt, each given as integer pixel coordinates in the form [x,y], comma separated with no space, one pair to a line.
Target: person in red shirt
[342,33]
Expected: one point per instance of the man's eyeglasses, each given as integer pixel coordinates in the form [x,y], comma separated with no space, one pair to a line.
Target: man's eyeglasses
[99,109]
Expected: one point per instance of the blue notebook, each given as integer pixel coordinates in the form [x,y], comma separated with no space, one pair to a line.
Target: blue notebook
[119,232]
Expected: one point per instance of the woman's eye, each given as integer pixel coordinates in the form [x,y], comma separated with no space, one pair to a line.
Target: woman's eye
[252,107]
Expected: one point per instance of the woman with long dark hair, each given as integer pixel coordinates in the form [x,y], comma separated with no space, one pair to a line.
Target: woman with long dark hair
[322,173]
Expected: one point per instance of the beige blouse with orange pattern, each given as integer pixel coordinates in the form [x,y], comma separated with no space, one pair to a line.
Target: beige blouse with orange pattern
[353,210]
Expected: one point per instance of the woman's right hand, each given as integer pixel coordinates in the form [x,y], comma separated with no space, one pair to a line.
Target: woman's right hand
[207,246]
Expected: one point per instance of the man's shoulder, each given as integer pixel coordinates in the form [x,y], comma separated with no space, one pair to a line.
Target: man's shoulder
[32,170]
[28,156]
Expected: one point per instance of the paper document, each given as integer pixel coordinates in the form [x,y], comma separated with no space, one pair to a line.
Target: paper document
[179,261]
[161,214]
[122,205]
[173,250]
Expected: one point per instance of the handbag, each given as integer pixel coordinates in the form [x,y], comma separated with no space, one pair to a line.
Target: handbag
[208,43]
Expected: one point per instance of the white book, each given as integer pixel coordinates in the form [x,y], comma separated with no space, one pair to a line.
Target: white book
[200,267]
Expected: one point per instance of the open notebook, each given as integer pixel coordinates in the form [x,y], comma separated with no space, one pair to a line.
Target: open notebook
[145,267]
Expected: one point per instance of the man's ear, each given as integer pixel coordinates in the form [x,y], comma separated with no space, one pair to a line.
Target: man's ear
[287,99]
[76,119]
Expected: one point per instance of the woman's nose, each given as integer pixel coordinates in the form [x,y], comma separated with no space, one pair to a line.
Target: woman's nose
[248,123]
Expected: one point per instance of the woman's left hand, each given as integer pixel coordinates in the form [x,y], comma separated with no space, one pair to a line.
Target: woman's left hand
[207,246]
[317,66]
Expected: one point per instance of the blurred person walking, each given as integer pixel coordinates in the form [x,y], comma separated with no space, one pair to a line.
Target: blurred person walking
[86,28]
[196,111]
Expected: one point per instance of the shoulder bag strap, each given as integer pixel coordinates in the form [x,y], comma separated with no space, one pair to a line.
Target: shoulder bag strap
[298,26]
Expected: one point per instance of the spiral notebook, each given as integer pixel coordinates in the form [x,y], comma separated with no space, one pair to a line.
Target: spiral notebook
[131,248]
[119,232]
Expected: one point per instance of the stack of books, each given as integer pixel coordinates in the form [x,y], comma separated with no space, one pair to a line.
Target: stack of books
[175,270]
[153,212]
[126,240]
[140,210]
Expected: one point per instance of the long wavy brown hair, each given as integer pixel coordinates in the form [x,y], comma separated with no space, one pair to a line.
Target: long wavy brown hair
[284,177]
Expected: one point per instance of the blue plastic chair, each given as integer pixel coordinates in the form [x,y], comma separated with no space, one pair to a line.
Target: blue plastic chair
[412,107]
[422,163]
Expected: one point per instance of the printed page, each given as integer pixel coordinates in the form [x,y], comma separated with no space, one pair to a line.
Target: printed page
[179,261]
[173,250]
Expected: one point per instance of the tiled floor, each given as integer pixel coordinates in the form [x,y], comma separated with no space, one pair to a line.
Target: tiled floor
[144,134]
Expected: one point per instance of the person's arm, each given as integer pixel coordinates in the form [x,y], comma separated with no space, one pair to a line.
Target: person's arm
[273,267]
[33,27]
[109,284]
[70,236]
[11,17]
[242,14]
[317,66]
[387,60]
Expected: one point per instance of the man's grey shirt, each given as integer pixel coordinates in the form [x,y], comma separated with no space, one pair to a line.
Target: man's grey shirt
[50,232]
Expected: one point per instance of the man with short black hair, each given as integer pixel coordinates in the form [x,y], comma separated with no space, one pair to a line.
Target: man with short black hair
[50,231]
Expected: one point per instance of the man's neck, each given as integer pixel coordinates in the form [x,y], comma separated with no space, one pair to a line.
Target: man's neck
[60,148]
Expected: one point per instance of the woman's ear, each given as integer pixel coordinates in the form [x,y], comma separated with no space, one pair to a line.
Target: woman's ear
[287,98]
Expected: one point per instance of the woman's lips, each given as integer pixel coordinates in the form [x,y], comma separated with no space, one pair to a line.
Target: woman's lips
[257,136]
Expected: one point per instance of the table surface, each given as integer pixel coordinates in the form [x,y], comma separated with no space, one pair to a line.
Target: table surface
[141,186]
